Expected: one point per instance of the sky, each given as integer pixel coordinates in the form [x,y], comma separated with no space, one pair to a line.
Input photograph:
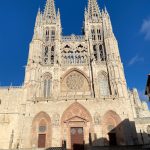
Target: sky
[131,26]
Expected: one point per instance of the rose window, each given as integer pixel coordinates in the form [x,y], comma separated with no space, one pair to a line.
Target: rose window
[75,81]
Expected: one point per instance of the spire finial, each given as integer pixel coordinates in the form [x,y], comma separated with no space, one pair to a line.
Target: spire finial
[105,10]
[38,18]
[94,11]
[50,12]
[58,17]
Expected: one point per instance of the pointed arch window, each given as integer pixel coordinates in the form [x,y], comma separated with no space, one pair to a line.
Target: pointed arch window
[46,54]
[93,34]
[47,35]
[99,34]
[104,85]
[53,35]
[95,51]
[102,53]
[47,86]
[52,55]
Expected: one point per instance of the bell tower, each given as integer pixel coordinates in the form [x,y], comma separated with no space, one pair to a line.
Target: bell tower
[44,47]
[94,31]
[103,48]
[51,34]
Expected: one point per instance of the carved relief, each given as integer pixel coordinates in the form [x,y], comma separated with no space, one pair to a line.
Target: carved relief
[74,55]
[76,110]
[56,119]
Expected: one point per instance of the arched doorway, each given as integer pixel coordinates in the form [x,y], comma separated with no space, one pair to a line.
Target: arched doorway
[112,129]
[41,131]
[76,126]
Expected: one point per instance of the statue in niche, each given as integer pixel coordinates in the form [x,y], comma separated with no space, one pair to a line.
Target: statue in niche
[97,118]
[56,118]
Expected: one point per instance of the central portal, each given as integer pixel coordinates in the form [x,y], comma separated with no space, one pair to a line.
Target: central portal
[77,138]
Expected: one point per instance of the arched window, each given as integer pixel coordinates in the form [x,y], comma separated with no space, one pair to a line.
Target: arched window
[52,55]
[99,34]
[104,85]
[53,35]
[102,53]
[95,51]
[47,35]
[93,34]
[47,86]
[46,54]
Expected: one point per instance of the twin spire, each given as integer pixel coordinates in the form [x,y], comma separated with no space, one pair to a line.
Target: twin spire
[92,13]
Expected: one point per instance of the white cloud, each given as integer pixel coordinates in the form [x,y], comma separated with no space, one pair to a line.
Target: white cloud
[145,28]
[135,59]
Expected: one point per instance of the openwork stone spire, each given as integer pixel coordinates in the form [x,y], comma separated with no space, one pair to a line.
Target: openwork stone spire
[50,12]
[93,11]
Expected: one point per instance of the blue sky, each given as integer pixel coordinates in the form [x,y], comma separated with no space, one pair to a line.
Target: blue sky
[131,25]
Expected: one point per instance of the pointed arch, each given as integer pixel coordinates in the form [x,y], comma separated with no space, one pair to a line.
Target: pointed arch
[76,115]
[75,69]
[74,80]
[41,125]
[76,110]
[112,114]
[112,124]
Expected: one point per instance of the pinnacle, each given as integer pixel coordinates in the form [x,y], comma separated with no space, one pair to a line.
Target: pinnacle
[93,11]
[50,12]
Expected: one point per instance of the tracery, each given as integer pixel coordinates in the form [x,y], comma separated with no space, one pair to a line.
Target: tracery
[48,55]
[74,56]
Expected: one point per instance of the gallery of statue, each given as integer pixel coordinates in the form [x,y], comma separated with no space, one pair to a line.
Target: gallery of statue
[74,89]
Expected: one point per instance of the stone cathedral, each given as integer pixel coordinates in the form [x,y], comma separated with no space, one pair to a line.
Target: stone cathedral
[74,89]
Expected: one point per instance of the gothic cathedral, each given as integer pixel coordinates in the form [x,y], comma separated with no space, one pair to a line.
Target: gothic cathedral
[74,91]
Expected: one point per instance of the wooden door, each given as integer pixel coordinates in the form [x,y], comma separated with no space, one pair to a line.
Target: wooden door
[41,140]
[77,138]
[112,139]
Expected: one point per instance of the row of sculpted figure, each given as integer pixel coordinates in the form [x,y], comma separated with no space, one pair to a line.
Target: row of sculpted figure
[74,58]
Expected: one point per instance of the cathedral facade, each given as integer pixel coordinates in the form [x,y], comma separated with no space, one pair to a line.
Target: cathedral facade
[74,90]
